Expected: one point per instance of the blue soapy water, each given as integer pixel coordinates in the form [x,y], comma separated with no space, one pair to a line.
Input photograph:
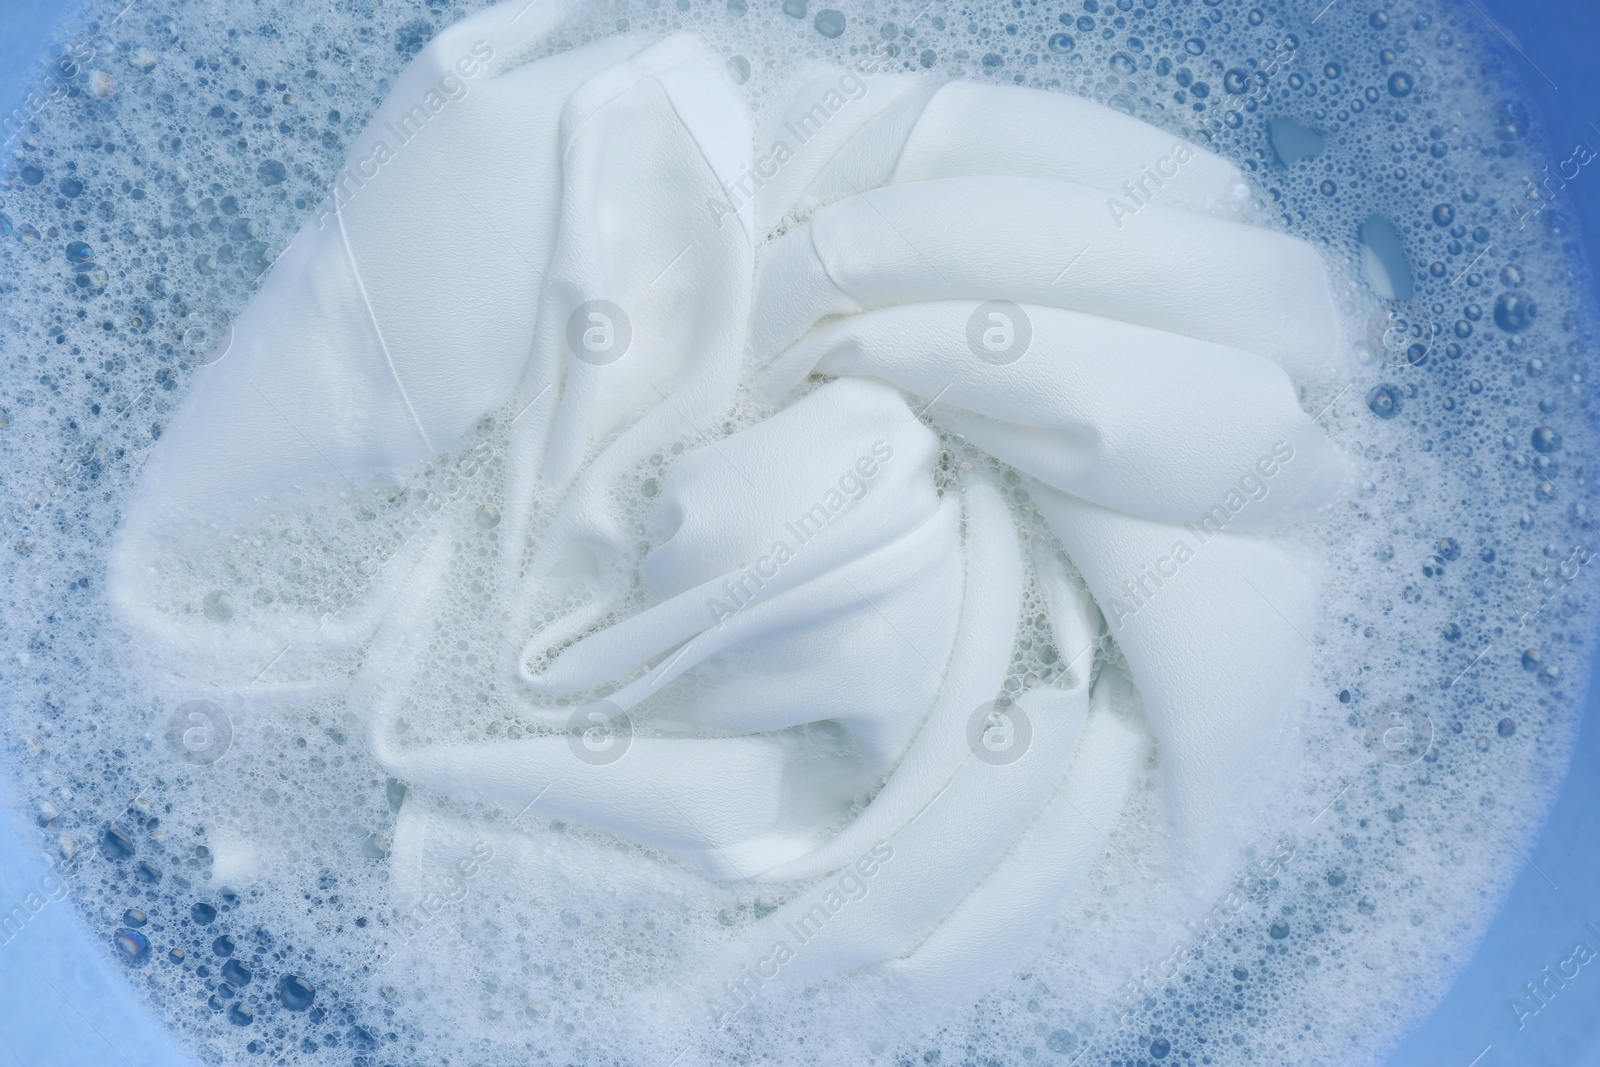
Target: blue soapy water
[170,189]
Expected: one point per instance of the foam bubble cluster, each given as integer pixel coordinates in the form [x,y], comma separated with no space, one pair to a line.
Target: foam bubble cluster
[235,854]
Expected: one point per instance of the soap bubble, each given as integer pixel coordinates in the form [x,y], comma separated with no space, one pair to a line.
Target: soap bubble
[199,732]
[829,23]
[999,332]
[1514,312]
[599,733]
[296,993]
[135,946]
[999,736]
[1384,401]
[599,333]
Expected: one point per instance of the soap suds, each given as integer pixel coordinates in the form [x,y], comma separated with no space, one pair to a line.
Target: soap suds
[143,209]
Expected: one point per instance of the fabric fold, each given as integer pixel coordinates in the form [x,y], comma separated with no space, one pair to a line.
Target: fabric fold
[1137,419]
[337,380]
[1031,240]
[644,313]
[814,537]
[1219,698]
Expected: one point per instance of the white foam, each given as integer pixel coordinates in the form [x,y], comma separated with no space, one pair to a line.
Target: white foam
[1389,884]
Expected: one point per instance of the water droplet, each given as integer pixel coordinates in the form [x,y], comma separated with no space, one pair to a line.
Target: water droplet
[1531,659]
[1400,84]
[829,23]
[133,944]
[1443,214]
[71,188]
[134,917]
[1384,261]
[1159,1048]
[1278,930]
[116,843]
[223,946]
[1384,401]
[79,252]
[1514,313]
[1449,548]
[1194,46]
[1122,63]
[295,992]
[1236,81]
[236,974]
[795,9]
[1546,440]
[1062,43]
[272,172]
[1291,141]
[1507,727]
[488,516]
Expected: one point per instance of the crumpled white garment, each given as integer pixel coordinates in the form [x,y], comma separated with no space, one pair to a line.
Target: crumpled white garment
[404,309]
[1039,241]
[772,569]
[1137,419]
[1157,391]
[1155,398]
[789,593]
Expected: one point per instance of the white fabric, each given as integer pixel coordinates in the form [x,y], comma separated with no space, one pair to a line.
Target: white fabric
[339,374]
[1147,422]
[976,670]
[866,582]
[640,142]
[1033,240]
[1217,695]
[1001,922]
[825,563]
[769,569]
[891,129]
